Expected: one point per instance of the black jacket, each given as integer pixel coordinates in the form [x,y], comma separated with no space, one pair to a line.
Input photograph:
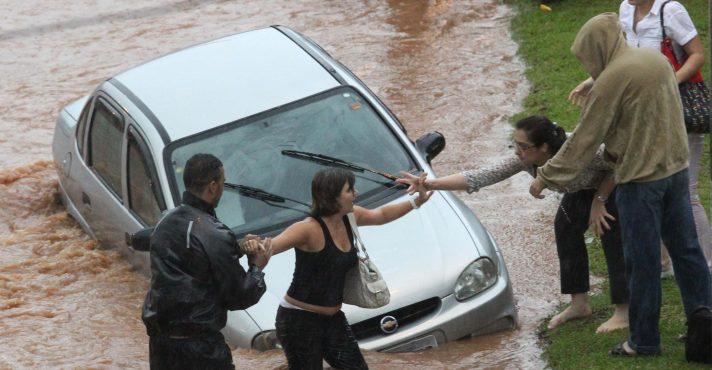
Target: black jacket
[195,273]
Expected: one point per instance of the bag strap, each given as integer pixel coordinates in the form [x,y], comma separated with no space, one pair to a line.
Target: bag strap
[697,76]
[662,22]
[358,243]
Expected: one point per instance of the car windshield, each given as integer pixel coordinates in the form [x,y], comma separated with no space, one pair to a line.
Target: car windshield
[338,123]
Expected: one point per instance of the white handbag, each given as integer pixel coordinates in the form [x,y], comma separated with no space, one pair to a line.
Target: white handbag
[364,286]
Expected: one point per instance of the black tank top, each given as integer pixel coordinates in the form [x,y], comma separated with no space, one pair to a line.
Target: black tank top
[319,276]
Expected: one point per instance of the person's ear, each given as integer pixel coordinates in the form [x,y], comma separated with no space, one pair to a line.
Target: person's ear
[213,186]
[544,148]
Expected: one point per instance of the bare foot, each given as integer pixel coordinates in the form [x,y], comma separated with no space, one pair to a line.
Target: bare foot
[619,320]
[614,323]
[570,313]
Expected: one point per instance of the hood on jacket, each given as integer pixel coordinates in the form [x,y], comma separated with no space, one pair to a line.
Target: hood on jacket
[598,42]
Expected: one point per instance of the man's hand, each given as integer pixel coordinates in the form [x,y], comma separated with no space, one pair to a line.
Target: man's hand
[140,240]
[597,220]
[580,92]
[536,188]
[262,254]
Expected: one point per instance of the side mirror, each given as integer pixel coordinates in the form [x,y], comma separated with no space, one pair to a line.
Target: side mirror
[431,144]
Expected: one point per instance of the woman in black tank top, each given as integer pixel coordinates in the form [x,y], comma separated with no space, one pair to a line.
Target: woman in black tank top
[310,325]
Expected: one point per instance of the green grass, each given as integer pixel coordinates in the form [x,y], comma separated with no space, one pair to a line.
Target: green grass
[544,40]
[575,345]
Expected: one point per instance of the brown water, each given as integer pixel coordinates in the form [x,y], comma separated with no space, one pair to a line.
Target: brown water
[445,65]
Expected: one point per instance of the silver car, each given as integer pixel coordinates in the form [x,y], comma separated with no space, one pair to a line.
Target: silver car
[276,108]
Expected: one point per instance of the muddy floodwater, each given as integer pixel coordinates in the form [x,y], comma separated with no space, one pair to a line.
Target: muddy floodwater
[449,66]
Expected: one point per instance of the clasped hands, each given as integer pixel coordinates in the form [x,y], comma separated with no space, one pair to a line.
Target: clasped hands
[416,184]
[258,250]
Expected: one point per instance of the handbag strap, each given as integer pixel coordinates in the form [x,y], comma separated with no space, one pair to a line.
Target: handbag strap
[662,22]
[358,243]
[697,76]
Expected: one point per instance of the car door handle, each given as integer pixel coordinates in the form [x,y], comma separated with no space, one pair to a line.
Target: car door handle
[85,199]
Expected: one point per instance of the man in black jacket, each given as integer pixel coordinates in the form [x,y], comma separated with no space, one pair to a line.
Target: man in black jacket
[196,276]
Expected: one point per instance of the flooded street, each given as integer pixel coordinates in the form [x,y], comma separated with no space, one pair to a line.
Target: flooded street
[439,65]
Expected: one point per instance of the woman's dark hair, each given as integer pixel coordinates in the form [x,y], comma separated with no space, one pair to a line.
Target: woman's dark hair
[540,130]
[326,187]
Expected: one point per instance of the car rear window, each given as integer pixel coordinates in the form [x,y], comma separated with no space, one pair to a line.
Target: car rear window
[105,140]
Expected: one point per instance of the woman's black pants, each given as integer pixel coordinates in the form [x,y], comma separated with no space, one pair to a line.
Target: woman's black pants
[569,226]
[309,338]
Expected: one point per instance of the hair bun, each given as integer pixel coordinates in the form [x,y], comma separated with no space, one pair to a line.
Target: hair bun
[558,130]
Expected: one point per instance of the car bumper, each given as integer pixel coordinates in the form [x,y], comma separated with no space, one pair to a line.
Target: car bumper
[490,311]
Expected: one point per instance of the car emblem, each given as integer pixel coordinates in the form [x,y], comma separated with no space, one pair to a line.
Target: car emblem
[389,324]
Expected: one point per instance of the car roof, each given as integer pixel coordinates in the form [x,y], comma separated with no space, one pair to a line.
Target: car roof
[220,81]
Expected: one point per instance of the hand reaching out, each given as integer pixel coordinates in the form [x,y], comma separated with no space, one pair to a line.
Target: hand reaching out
[580,92]
[413,182]
[262,254]
[423,194]
[536,188]
[249,244]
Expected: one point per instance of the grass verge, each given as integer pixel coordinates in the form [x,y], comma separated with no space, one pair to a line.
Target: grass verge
[544,40]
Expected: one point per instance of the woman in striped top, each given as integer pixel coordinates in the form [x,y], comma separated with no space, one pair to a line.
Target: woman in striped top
[587,201]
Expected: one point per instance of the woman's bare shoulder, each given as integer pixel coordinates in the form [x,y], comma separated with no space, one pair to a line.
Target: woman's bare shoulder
[311,229]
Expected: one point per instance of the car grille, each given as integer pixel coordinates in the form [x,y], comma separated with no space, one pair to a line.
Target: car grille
[406,315]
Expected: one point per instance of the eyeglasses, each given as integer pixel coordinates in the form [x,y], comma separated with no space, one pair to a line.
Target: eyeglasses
[523,146]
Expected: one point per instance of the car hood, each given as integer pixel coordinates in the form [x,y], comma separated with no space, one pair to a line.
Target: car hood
[419,255]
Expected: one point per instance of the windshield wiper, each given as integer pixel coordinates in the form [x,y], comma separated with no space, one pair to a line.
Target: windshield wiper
[331,161]
[264,195]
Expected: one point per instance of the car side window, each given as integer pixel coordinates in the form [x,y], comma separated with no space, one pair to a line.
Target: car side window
[82,127]
[145,198]
[105,140]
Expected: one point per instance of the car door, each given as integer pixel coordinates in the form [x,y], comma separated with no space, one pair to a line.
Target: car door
[72,165]
[100,186]
[144,198]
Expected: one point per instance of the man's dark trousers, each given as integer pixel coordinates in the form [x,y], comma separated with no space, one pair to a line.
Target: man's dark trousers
[202,352]
[649,211]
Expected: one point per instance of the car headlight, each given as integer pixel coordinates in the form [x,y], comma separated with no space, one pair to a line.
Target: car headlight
[476,277]
[266,341]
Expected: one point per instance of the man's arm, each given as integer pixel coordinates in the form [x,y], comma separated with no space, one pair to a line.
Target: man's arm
[140,240]
[579,149]
[237,289]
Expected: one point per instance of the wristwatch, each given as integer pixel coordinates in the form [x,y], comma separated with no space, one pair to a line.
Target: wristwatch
[601,198]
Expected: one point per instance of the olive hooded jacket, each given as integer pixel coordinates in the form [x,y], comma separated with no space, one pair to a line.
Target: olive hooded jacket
[633,108]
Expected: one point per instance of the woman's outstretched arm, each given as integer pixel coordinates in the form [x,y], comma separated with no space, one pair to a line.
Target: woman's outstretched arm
[386,214]
[471,180]
[456,181]
[295,235]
